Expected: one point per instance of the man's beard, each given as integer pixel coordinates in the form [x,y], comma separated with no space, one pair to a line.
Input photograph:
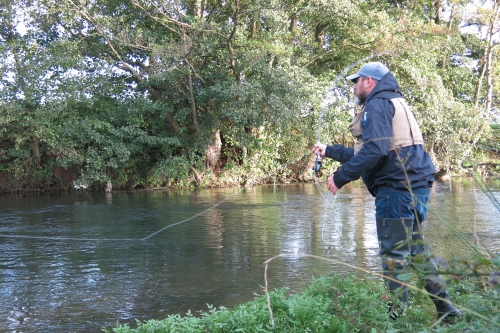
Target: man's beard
[359,100]
[360,97]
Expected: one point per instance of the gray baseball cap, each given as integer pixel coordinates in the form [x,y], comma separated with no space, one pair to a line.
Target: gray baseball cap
[375,70]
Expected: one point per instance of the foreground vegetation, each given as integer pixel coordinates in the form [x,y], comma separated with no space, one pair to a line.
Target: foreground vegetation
[339,304]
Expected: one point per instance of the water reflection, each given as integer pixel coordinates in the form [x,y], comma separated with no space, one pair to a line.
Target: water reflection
[79,262]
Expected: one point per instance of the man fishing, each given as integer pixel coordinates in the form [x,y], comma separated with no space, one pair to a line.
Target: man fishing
[389,156]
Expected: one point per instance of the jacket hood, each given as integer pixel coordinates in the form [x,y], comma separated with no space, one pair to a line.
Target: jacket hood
[387,87]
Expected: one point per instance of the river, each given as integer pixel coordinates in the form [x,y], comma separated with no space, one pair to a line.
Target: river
[80,262]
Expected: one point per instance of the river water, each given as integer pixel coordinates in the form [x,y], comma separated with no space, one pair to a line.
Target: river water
[81,262]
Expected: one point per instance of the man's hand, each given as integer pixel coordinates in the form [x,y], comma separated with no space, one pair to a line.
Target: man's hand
[319,148]
[331,185]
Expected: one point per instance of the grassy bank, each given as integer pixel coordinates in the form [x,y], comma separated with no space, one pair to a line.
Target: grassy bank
[339,304]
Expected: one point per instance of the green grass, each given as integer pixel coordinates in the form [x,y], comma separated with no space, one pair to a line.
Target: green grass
[338,304]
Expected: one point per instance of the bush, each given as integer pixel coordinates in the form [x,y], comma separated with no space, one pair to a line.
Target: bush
[337,304]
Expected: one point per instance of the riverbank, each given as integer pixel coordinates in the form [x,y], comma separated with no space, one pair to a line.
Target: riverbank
[338,304]
[222,180]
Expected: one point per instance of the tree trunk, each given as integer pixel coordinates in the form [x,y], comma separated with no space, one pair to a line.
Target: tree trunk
[446,57]
[439,9]
[319,35]
[489,85]
[253,26]
[213,151]
[198,178]
[489,57]
[480,83]
[193,8]
[230,40]
[294,20]
[193,106]
[35,150]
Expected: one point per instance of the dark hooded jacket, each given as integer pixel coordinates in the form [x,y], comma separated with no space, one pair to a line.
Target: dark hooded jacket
[374,163]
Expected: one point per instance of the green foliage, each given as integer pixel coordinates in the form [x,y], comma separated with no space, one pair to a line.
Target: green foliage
[335,304]
[172,324]
[134,94]
[327,305]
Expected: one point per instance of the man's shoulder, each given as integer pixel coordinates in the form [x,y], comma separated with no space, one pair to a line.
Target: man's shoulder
[380,104]
[387,94]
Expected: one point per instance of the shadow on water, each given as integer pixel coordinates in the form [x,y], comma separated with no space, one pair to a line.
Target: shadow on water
[76,263]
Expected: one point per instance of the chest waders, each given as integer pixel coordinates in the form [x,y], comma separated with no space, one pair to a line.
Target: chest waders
[400,239]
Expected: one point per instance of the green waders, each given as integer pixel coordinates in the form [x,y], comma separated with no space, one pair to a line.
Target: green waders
[400,239]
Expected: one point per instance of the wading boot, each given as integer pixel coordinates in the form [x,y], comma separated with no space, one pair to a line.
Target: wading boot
[395,310]
[445,310]
[394,238]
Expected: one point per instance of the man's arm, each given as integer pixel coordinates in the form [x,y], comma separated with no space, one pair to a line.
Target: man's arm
[337,152]
[377,136]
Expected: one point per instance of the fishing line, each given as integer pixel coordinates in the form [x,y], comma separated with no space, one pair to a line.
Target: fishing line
[192,217]
[328,205]
[63,238]
[327,99]
[70,238]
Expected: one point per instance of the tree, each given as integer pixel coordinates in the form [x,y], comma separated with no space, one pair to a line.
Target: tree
[144,93]
[29,79]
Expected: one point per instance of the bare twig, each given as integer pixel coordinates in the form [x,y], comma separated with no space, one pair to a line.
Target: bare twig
[267,293]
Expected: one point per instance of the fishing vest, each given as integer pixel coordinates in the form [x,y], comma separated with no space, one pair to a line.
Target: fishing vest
[404,127]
